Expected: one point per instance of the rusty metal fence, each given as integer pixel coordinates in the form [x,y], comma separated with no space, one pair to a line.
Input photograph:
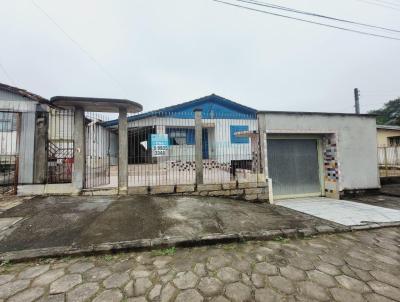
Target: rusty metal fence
[9,151]
[389,161]
[162,145]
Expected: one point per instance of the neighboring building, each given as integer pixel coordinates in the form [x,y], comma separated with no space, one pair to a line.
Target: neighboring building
[18,109]
[388,136]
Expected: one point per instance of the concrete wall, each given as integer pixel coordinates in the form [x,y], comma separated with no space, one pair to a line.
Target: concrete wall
[356,143]
[384,134]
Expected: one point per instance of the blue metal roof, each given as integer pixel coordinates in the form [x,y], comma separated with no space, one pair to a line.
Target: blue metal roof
[213,106]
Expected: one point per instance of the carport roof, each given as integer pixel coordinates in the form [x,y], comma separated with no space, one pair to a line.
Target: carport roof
[96,104]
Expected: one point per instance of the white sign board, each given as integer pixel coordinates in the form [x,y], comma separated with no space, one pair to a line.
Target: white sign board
[159,145]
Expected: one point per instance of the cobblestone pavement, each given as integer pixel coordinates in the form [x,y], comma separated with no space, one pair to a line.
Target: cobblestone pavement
[360,266]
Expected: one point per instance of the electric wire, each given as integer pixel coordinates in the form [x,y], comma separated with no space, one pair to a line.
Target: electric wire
[81,48]
[6,73]
[279,7]
[380,5]
[308,21]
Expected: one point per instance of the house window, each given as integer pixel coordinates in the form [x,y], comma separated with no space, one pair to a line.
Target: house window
[8,121]
[181,136]
[236,139]
[394,141]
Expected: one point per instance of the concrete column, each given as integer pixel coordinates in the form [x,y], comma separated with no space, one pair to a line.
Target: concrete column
[78,173]
[26,134]
[262,131]
[40,152]
[199,146]
[123,152]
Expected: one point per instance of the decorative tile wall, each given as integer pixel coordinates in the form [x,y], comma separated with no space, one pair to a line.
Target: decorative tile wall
[331,166]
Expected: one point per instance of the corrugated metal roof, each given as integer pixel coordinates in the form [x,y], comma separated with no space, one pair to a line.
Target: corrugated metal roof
[388,127]
[24,93]
[179,107]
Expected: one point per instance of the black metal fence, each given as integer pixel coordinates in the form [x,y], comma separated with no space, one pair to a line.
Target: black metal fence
[60,146]
[9,151]
[161,148]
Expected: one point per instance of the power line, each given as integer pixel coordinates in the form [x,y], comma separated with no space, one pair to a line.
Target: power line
[385,2]
[7,74]
[99,65]
[279,7]
[308,21]
[377,4]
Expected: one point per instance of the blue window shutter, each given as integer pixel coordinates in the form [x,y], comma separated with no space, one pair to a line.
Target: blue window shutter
[239,140]
[190,137]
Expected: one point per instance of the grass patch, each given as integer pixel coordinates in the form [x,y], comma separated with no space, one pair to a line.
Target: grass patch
[5,264]
[108,257]
[281,239]
[165,252]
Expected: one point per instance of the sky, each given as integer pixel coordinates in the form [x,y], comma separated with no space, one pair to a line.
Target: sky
[161,53]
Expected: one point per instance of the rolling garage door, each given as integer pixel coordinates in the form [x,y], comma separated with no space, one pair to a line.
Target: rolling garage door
[293,167]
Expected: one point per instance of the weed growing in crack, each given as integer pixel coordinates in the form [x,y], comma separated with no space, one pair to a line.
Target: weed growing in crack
[108,258]
[281,239]
[165,252]
[5,264]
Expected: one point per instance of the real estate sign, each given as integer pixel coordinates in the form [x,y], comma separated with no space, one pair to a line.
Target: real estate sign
[159,145]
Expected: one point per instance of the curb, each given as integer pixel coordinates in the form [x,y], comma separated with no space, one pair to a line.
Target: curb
[179,241]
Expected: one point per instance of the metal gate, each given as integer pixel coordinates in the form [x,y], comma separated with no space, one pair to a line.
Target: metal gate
[9,151]
[60,146]
[293,166]
[97,172]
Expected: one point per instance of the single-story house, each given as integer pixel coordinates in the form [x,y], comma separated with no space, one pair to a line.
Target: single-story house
[221,119]
[308,153]
[388,135]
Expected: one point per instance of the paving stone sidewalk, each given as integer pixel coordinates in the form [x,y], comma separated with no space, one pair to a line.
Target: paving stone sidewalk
[359,266]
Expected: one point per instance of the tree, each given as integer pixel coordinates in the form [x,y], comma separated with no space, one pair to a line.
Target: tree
[389,114]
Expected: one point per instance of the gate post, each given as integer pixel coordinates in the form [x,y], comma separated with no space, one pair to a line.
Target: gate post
[78,174]
[40,149]
[199,146]
[262,132]
[122,151]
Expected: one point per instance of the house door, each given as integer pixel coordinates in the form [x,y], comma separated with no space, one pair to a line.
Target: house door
[205,144]
[293,166]
[9,151]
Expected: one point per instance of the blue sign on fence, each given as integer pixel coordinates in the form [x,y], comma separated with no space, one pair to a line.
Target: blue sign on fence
[159,145]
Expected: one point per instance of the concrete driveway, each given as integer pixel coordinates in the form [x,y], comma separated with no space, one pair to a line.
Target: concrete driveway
[344,212]
[46,222]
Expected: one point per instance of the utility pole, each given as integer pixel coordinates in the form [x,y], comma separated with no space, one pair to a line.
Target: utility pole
[357,100]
